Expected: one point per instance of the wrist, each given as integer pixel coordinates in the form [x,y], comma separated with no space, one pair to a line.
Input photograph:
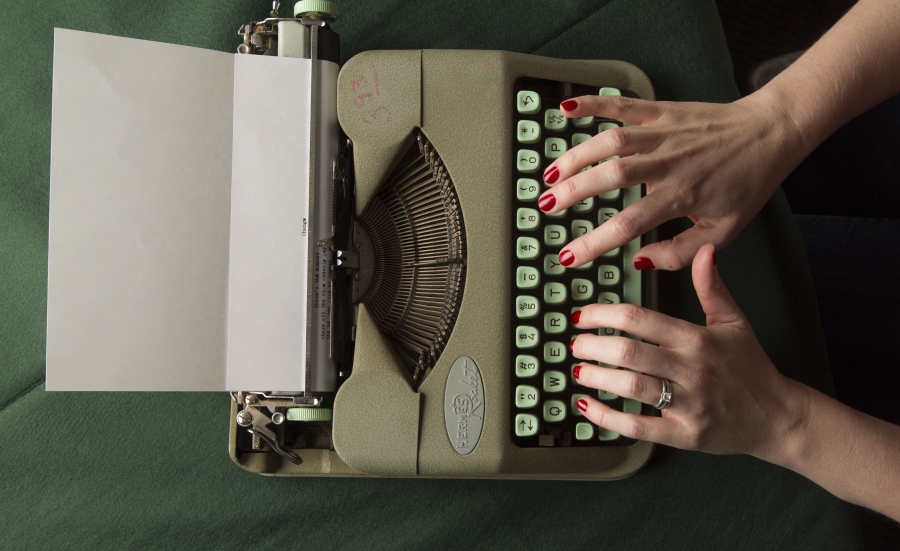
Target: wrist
[792,429]
[793,130]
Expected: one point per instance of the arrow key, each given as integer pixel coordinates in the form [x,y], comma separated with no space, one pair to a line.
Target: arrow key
[526,424]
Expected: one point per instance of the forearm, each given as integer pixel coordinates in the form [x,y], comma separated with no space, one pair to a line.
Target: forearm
[853,67]
[852,455]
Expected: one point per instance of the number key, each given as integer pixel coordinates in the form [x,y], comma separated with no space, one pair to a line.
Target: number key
[528,161]
[527,190]
[527,248]
[527,219]
[527,277]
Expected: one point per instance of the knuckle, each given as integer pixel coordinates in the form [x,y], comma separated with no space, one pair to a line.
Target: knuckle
[627,351]
[597,415]
[623,227]
[684,198]
[619,172]
[700,435]
[575,158]
[592,242]
[630,316]
[635,428]
[703,345]
[637,386]
[623,104]
[616,138]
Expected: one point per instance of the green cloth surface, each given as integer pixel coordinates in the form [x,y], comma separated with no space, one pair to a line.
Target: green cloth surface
[141,470]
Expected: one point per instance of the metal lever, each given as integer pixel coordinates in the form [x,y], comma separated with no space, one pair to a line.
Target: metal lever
[255,422]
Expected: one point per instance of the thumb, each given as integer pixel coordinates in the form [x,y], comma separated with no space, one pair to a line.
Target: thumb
[716,301]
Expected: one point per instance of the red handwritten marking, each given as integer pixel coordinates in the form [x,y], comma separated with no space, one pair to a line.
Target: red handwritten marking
[372,116]
[368,102]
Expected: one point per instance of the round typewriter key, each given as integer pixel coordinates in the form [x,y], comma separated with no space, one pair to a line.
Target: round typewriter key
[528,103]
[526,366]
[554,411]
[583,431]
[526,396]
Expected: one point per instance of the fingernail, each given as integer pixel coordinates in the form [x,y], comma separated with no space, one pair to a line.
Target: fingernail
[576,315]
[572,344]
[576,371]
[714,257]
[569,105]
[643,263]
[552,175]
[582,404]
[546,203]
[566,258]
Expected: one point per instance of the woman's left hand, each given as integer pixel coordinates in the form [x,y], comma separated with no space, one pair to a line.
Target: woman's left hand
[727,396]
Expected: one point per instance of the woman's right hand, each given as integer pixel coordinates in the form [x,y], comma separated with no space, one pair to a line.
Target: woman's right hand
[717,164]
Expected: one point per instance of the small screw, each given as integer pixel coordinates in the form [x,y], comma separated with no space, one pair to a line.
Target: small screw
[278,418]
[251,399]
[244,418]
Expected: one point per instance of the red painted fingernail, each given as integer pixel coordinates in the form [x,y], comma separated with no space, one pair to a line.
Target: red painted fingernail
[576,315]
[572,344]
[576,371]
[643,263]
[552,175]
[546,203]
[582,404]
[714,257]
[569,105]
[566,258]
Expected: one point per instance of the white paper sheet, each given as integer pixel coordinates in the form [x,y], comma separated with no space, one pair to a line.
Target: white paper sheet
[141,210]
[269,212]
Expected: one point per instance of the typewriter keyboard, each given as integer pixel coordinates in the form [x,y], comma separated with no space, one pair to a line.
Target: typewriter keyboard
[544,292]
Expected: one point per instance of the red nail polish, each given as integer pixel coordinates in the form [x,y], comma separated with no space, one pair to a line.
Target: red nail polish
[552,175]
[546,203]
[569,105]
[572,344]
[566,258]
[643,263]
[714,257]
[582,404]
[576,315]
[576,371]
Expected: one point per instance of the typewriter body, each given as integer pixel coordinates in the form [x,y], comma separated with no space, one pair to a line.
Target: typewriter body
[411,357]
[395,307]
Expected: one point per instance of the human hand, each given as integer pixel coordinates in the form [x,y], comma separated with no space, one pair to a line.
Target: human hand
[716,164]
[727,396]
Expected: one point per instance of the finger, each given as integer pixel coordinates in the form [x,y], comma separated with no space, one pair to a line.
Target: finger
[619,141]
[613,174]
[628,384]
[648,325]
[634,221]
[678,252]
[620,108]
[624,352]
[629,425]
[716,301]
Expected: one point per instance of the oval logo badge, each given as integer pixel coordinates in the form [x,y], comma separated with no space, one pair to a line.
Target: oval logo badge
[464,405]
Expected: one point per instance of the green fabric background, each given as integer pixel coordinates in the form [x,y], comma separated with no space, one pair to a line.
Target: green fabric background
[119,470]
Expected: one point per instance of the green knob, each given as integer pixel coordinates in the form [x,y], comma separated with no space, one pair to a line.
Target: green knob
[309,414]
[317,8]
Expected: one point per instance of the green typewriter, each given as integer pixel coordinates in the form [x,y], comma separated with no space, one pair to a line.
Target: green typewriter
[429,312]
